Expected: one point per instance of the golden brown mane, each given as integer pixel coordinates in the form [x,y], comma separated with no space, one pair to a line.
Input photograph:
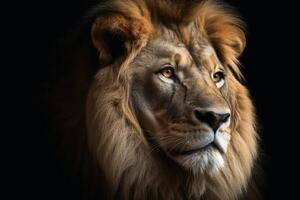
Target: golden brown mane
[112,156]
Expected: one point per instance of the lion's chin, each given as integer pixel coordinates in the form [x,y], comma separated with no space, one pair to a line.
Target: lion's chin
[207,160]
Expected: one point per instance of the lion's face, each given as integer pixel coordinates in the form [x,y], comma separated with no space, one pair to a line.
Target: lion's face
[180,97]
[166,109]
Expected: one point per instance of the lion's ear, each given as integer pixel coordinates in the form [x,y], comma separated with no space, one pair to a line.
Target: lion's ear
[114,35]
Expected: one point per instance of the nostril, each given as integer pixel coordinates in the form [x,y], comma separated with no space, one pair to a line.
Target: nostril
[214,120]
[207,117]
[225,117]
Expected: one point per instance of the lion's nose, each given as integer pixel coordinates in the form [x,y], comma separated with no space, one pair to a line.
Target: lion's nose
[213,119]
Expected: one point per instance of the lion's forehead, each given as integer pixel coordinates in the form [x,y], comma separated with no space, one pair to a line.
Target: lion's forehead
[198,53]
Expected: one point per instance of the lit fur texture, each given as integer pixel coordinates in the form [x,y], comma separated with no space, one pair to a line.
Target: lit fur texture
[102,138]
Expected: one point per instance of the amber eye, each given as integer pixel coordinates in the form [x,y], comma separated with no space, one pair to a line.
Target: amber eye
[218,78]
[168,72]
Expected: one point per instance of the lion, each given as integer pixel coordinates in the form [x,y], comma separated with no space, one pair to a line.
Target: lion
[152,104]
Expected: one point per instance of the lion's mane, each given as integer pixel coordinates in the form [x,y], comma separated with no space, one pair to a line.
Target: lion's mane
[112,157]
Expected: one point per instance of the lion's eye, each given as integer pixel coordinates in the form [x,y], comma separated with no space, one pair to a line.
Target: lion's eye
[218,78]
[168,72]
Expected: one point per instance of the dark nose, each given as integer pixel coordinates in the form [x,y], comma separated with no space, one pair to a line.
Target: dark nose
[213,119]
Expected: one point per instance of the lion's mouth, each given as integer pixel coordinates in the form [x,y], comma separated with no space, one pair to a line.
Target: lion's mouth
[197,141]
[209,140]
[195,144]
[176,152]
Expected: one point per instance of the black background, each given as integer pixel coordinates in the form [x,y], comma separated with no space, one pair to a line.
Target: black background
[270,66]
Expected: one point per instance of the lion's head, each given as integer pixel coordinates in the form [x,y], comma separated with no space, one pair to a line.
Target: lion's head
[166,115]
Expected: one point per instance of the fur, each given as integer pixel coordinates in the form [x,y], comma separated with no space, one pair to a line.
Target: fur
[98,129]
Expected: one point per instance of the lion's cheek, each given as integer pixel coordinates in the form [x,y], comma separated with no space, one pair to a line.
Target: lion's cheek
[144,112]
